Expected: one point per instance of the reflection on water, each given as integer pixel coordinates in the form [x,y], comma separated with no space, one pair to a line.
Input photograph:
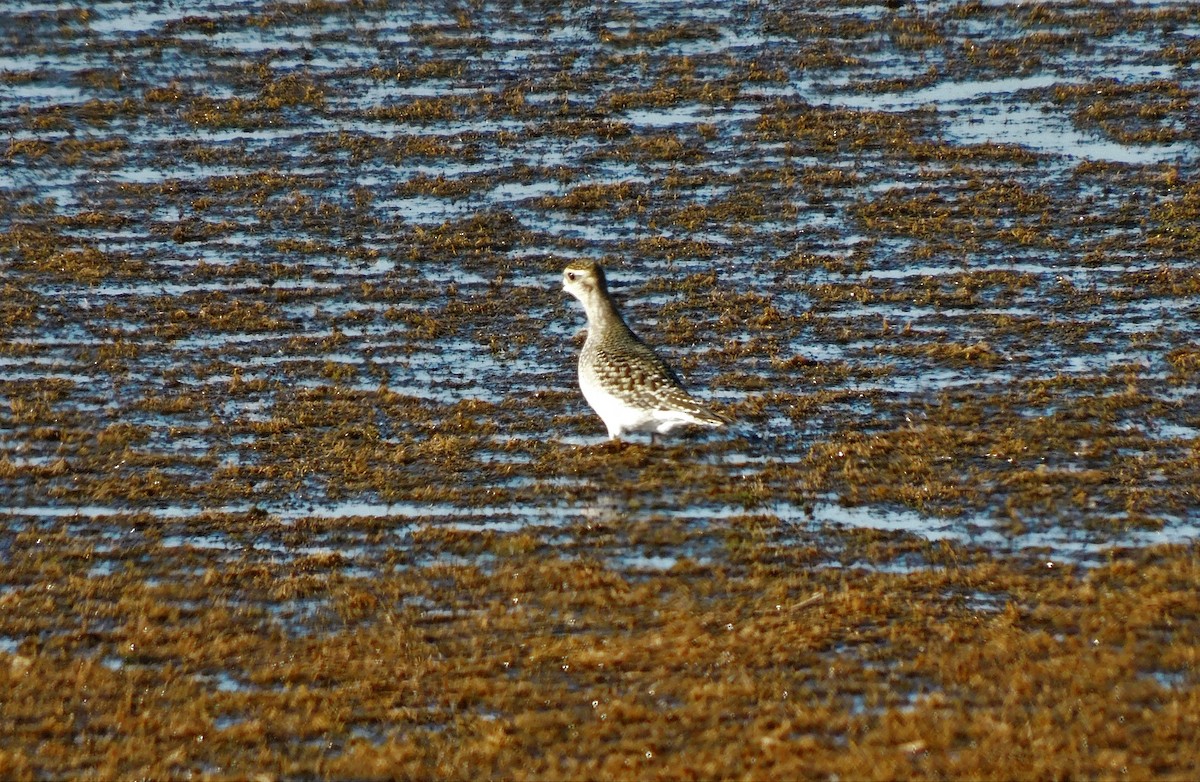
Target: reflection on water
[217,242]
[296,479]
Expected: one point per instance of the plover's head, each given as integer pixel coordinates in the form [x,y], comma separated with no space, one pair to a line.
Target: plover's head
[583,279]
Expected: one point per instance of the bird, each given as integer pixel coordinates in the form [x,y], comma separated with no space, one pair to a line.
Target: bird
[621,377]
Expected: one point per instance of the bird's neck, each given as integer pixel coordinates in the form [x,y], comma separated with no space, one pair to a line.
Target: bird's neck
[602,313]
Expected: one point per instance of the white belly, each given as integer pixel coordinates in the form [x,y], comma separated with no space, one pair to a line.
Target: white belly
[622,418]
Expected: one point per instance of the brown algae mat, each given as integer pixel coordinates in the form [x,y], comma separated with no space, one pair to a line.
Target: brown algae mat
[296,482]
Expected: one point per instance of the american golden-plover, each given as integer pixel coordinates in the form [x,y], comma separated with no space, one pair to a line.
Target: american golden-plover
[628,386]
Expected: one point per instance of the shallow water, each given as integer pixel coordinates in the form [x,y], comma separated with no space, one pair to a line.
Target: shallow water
[280,284]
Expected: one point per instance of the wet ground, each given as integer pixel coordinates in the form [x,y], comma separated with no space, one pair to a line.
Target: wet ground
[296,482]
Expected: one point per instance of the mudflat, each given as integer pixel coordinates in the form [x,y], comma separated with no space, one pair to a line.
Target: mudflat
[296,481]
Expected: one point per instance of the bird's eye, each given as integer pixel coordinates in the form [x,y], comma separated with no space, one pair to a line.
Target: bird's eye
[570,275]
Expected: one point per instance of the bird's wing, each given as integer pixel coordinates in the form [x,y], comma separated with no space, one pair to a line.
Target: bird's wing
[637,375]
